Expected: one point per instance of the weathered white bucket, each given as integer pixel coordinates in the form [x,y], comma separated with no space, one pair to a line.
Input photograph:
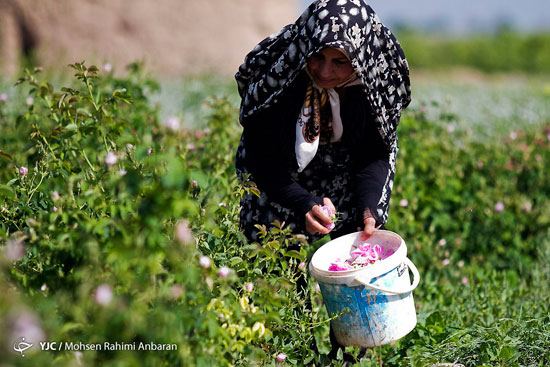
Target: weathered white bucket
[378,296]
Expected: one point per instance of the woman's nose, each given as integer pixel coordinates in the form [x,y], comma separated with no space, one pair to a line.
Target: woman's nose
[325,70]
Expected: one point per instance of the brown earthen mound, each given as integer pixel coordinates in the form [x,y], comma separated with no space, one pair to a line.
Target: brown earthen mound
[172,36]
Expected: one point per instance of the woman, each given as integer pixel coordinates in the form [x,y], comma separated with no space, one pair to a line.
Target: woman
[321,100]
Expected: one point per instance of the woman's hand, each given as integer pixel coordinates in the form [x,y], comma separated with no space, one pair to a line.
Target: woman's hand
[317,219]
[370,224]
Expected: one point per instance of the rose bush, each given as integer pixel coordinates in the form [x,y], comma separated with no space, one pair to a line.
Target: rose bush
[123,228]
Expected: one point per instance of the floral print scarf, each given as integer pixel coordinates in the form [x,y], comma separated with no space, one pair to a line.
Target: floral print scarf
[375,54]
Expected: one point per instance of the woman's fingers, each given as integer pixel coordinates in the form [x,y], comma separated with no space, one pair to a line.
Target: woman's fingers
[318,220]
[313,225]
[320,214]
[370,227]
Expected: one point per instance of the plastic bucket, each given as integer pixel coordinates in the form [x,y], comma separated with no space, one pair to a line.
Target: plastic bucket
[378,296]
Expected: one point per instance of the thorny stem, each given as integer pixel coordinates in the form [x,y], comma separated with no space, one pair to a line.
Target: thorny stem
[91,93]
[312,325]
[88,161]
[49,147]
[31,193]
[106,145]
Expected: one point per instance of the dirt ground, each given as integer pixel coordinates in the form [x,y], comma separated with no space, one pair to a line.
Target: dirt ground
[174,37]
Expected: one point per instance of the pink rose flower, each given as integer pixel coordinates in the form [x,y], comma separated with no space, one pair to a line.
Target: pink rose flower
[23,171]
[176,291]
[14,249]
[366,253]
[362,255]
[339,265]
[78,356]
[281,357]
[249,287]
[24,324]
[388,253]
[204,262]
[110,159]
[223,272]
[328,212]
[103,294]
[183,232]
[499,207]
[172,122]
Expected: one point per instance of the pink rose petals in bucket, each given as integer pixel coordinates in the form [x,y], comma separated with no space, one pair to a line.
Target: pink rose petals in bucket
[361,255]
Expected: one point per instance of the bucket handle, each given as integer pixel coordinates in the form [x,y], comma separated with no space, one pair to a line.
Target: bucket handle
[410,288]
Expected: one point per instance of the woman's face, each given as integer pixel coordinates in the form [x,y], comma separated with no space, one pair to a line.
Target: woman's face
[329,68]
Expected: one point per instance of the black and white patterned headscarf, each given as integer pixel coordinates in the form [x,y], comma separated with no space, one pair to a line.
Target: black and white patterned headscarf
[374,52]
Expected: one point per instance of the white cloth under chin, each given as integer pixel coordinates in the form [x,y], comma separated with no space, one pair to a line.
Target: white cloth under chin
[305,151]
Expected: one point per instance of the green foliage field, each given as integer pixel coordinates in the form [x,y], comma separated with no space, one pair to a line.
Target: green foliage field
[504,51]
[125,229]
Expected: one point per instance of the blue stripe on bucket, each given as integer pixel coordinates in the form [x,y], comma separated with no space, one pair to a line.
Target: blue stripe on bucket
[369,319]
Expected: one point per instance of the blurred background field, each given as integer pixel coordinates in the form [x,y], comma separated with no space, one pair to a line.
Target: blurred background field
[134,247]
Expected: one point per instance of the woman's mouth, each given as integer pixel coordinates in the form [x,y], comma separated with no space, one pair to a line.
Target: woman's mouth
[324,81]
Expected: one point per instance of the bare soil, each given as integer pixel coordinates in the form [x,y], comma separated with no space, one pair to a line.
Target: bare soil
[172,36]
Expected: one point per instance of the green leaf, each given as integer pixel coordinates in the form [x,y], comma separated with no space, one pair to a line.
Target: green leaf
[505,353]
[175,174]
[236,260]
[5,156]
[7,192]
[71,326]
[295,254]
[119,91]
[274,244]
[71,127]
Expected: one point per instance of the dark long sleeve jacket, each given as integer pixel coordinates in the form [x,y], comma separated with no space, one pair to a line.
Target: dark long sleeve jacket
[269,138]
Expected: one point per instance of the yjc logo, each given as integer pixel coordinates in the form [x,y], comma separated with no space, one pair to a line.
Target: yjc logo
[48,345]
[21,345]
